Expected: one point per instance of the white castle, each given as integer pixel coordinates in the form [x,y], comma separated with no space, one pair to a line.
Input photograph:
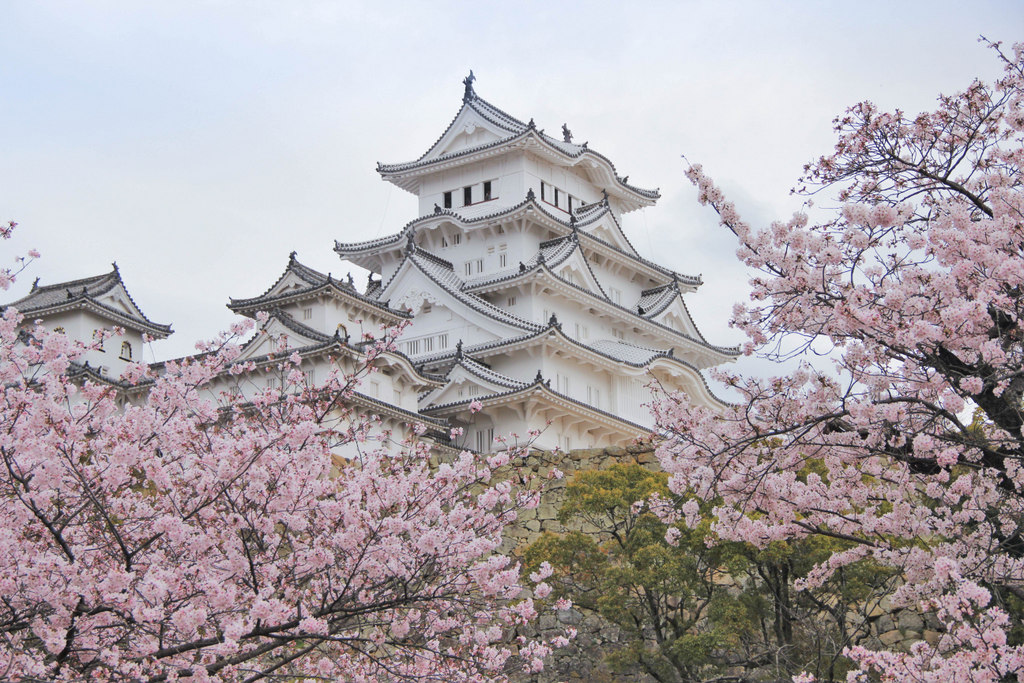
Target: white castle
[518,286]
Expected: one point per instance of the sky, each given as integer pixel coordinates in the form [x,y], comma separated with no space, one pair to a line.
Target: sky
[197,143]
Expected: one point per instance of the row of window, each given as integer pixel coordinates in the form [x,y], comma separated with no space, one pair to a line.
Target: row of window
[437,342]
[560,199]
[471,194]
[477,265]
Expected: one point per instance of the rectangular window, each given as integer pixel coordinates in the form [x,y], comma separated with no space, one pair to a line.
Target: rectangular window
[543,191]
[570,203]
[594,396]
[447,200]
[562,383]
[511,301]
[582,332]
[502,260]
[442,341]
[271,382]
[479,265]
[457,238]
[412,347]
[469,267]
[487,190]
[503,246]
[444,241]
[428,344]
[307,313]
[618,334]
[309,377]
[467,196]
[375,389]
[396,397]
[568,443]
[490,249]
[615,295]
[556,197]
[484,439]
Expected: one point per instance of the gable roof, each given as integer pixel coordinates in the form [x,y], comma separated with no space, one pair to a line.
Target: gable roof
[592,214]
[443,274]
[540,388]
[86,293]
[511,131]
[306,283]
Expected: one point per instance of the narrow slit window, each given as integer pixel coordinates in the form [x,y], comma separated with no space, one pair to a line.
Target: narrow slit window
[467,196]
[126,351]
[543,191]
[487,190]
[447,200]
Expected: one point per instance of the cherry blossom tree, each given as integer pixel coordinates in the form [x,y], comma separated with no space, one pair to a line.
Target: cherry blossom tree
[182,538]
[910,452]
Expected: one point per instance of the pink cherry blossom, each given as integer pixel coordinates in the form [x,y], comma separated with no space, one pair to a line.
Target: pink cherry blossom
[909,453]
[175,537]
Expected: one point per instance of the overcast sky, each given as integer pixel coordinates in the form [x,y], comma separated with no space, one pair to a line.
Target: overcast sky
[198,143]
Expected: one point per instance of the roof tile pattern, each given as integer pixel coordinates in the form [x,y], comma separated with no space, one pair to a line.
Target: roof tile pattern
[43,299]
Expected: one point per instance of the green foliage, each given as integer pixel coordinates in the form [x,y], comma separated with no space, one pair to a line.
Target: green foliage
[695,610]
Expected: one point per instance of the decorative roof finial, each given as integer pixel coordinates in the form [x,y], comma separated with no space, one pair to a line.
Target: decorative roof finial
[35,284]
[291,256]
[625,179]
[553,321]
[468,82]
[531,124]
[604,193]
[351,282]
[540,256]
[437,208]
[115,266]
[566,133]
[410,245]
[572,221]
[458,350]
[530,195]
[538,379]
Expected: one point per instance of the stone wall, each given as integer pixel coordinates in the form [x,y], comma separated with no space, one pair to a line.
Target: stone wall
[583,659]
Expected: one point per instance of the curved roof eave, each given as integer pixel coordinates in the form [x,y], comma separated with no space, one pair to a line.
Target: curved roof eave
[351,249]
[542,386]
[263,302]
[472,301]
[406,174]
[541,269]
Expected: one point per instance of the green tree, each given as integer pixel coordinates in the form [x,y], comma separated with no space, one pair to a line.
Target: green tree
[691,610]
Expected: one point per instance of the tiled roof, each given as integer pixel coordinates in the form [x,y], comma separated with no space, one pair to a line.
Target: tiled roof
[485,373]
[516,130]
[44,299]
[656,299]
[539,384]
[596,212]
[615,350]
[442,273]
[542,268]
[317,282]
